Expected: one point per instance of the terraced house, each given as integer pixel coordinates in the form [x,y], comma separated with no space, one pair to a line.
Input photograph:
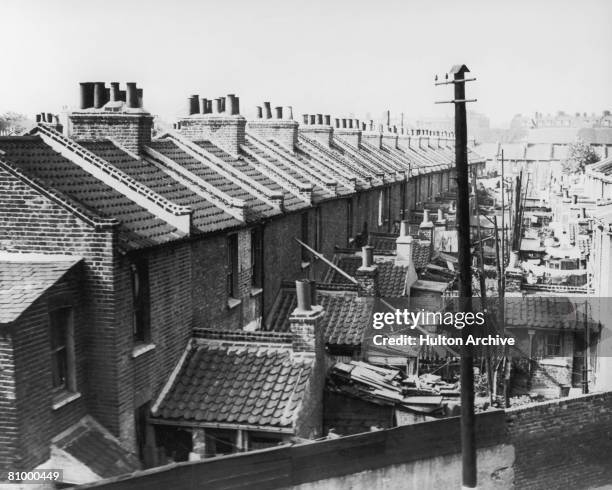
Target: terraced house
[150,262]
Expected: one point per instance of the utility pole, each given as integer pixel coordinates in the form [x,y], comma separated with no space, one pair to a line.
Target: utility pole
[468,439]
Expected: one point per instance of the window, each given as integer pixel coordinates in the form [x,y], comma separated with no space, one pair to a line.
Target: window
[140,424]
[349,219]
[62,349]
[318,245]
[257,257]
[305,253]
[553,345]
[140,300]
[403,191]
[232,266]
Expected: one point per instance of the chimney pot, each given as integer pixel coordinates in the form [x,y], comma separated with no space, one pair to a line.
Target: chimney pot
[313,119]
[337,121]
[575,199]
[425,215]
[367,256]
[259,112]
[327,120]
[222,99]
[356,124]
[49,117]
[114,92]
[363,126]
[279,112]
[192,104]
[39,117]
[304,295]
[203,105]
[99,94]
[86,95]
[319,118]
[404,227]
[218,106]
[350,123]
[305,118]
[132,95]
[289,112]
[268,110]
[233,107]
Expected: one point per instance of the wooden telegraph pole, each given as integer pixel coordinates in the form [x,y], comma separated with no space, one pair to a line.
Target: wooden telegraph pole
[468,440]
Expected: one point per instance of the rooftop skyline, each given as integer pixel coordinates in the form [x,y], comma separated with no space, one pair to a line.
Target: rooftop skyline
[343,57]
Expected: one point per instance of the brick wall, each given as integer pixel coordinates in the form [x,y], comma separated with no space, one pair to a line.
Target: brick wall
[563,443]
[284,131]
[133,131]
[29,222]
[37,422]
[9,435]
[560,444]
[141,377]
[225,131]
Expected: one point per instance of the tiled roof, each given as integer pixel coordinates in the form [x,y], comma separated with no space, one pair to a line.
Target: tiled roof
[90,444]
[556,313]
[346,315]
[205,217]
[169,149]
[32,156]
[249,167]
[23,280]
[391,277]
[386,244]
[233,383]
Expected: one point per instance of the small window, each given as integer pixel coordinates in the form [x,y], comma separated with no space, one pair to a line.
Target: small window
[318,245]
[232,266]
[140,300]
[257,257]
[349,219]
[62,349]
[140,423]
[305,231]
[553,345]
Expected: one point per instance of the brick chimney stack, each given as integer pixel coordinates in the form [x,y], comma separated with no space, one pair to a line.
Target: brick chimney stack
[112,113]
[426,226]
[282,128]
[372,135]
[217,120]
[404,245]
[305,322]
[320,131]
[367,274]
[348,133]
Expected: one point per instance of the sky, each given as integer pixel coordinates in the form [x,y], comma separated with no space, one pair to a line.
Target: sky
[342,57]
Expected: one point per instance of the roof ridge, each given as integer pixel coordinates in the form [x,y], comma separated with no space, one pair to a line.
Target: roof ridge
[329,185]
[356,152]
[334,158]
[240,178]
[237,208]
[68,203]
[173,214]
[373,168]
[303,192]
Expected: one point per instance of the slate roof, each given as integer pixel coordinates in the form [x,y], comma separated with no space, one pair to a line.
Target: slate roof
[34,158]
[391,277]
[237,384]
[346,315]
[249,167]
[205,217]
[91,444]
[23,280]
[541,312]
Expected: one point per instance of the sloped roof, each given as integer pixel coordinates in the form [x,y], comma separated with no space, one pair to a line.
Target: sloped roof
[391,277]
[346,315]
[34,158]
[24,278]
[92,445]
[233,384]
[206,216]
[541,312]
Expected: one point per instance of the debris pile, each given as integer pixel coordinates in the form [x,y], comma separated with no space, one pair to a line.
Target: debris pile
[427,394]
